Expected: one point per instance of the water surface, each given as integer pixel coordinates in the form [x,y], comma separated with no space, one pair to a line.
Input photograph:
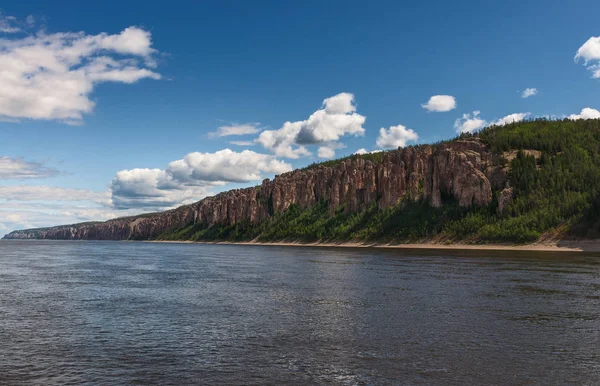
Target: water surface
[150,313]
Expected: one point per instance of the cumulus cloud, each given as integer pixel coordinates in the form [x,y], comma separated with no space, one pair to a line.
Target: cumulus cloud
[440,103]
[589,52]
[282,141]
[190,179]
[236,129]
[586,113]
[341,103]
[363,151]
[225,165]
[151,189]
[395,136]
[335,119]
[529,92]
[469,123]
[326,152]
[51,76]
[19,169]
[511,118]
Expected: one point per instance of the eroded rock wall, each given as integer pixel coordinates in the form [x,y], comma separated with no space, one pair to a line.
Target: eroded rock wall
[465,170]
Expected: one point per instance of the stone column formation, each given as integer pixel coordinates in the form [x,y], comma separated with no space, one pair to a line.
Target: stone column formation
[463,169]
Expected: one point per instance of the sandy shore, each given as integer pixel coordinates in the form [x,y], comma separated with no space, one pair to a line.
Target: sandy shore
[562,246]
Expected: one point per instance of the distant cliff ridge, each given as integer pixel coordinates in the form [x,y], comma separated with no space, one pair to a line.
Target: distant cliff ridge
[465,170]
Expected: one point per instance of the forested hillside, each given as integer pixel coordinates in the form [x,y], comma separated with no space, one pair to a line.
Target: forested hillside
[553,174]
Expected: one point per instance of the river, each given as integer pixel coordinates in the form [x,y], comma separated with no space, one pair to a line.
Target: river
[157,313]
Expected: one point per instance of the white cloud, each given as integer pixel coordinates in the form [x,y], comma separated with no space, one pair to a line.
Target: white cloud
[586,113]
[326,152]
[131,41]
[151,189]
[595,70]
[329,124]
[242,143]
[10,24]
[50,193]
[281,141]
[51,76]
[396,136]
[190,179]
[335,119]
[236,129]
[469,123]
[511,118]
[363,151]
[440,103]
[529,92]
[18,168]
[225,165]
[101,213]
[342,103]
[590,52]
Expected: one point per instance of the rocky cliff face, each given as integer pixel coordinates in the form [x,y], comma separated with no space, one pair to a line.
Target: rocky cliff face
[465,170]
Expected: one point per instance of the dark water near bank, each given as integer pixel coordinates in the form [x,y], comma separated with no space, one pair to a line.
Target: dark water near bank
[143,313]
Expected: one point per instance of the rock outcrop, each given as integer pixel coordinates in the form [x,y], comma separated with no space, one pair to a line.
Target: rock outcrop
[464,169]
[505,198]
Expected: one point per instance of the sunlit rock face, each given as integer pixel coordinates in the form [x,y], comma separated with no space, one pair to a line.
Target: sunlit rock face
[465,170]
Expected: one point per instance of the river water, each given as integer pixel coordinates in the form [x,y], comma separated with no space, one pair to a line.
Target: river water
[153,313]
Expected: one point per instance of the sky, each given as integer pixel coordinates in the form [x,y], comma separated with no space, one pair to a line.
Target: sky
[116,108]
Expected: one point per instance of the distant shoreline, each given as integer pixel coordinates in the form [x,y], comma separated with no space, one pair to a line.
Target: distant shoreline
[563,246]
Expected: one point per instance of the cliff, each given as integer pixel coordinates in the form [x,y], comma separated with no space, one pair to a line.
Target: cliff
[465,170]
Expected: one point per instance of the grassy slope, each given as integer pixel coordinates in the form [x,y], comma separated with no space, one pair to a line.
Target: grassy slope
[557,192]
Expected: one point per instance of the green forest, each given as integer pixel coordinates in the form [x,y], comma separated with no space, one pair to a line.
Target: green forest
[555,176]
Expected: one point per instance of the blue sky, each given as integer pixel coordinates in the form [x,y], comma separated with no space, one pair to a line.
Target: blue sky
[105,131]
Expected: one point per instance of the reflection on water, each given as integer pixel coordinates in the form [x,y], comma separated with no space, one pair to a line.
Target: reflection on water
[105,312]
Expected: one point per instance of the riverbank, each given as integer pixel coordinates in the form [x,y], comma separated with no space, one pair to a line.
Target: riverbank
[561,246]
